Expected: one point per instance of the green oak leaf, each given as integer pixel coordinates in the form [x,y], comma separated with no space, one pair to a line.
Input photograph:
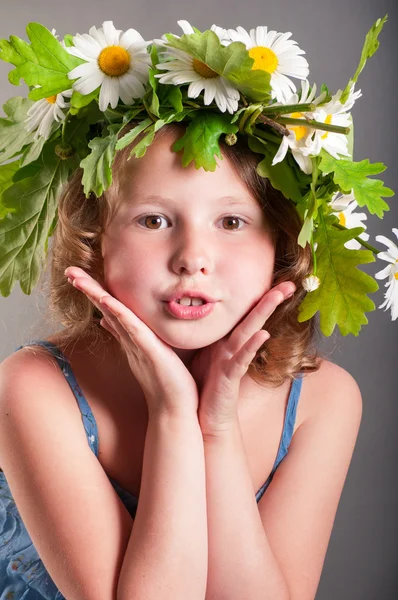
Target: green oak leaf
[13,135]
[44,62]
[341,297]
[369,48]
[200,140]
[232,62]
[350,175]
[139,149]
[97,166]
[31,206]
[7,173]
[133,133]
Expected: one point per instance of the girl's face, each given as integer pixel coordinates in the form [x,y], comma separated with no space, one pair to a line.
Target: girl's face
[189,242]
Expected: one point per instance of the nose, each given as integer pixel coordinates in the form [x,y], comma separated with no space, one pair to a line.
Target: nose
[191,252]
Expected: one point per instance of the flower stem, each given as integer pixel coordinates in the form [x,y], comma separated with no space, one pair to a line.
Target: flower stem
[289,108]
[314,125]
[278,126]
[64,127]
[362,242]
[313,252]
[266,136]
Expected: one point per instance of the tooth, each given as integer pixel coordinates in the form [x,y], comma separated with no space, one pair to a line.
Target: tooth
[185,301]
[197,301]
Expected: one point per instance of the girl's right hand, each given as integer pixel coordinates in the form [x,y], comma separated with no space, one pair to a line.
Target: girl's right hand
[168,386]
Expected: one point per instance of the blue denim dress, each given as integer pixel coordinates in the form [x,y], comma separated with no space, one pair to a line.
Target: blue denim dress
[23,575]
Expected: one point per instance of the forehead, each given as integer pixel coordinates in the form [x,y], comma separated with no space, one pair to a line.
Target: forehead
[160,173]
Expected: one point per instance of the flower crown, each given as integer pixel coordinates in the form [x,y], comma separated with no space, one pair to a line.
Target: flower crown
[223,82]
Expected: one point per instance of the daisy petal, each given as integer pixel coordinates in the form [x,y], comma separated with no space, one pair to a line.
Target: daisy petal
[86,86]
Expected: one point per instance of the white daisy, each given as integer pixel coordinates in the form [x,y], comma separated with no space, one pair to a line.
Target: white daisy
[334,113]
[116,61]
[311,283]
[275,53]
[390,271]
[44,112]
[183,68]
[300,135]
[344,205]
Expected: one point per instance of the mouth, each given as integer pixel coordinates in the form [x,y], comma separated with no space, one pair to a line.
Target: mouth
[189,308]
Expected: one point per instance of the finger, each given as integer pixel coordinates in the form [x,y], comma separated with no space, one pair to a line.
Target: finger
[239,363]
[94,292]
[133,327]
[107,325]
[255,320]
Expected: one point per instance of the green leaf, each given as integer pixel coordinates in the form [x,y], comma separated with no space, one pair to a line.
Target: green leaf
[33,151]
[78,101]
[97,166]
[200,140]
[311,209]
[13,135]
[43,63]
[369,48]
[341,297]
[140,148]
[132,134]
[31,204]
[172,95]
[232,62]
[68,40]
[152,95]
[282,175]
[350,175]
[7,173]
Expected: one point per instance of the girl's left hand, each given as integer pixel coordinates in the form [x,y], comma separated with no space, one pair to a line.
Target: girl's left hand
[219,368]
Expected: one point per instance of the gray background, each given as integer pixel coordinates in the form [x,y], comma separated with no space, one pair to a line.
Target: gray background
[361,562]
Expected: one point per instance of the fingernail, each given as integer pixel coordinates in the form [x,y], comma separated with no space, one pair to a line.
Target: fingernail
[70,280]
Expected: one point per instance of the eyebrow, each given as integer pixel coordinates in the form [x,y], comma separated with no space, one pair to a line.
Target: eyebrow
[161,200]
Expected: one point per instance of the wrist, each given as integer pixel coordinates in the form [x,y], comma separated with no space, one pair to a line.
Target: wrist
[173,416]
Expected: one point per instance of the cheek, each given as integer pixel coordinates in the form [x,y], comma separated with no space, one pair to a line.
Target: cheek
[252,270]
[125,268]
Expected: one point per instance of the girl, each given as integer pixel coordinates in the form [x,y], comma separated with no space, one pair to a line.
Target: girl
[137,444]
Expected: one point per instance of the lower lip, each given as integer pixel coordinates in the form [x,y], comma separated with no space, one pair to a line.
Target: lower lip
[189,312]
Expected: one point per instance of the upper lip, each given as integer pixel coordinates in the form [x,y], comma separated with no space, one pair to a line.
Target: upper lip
[178,294]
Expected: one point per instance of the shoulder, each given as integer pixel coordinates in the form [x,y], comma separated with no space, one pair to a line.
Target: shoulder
[31,371]
[331,390]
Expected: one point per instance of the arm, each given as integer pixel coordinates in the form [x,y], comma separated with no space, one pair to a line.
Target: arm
[166,555]
[241,561]
[277,550]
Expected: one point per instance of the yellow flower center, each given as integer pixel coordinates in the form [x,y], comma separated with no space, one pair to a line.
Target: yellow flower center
[342,220]
[203,70]
[328,121]
[264,58]
[396,276]
[300,130]
[114,61]
[52,99]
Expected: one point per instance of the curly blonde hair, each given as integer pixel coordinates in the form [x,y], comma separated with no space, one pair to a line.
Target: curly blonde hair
[292,347]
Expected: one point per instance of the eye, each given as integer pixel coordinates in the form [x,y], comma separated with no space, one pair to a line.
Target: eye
[152,219]
[231,218]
